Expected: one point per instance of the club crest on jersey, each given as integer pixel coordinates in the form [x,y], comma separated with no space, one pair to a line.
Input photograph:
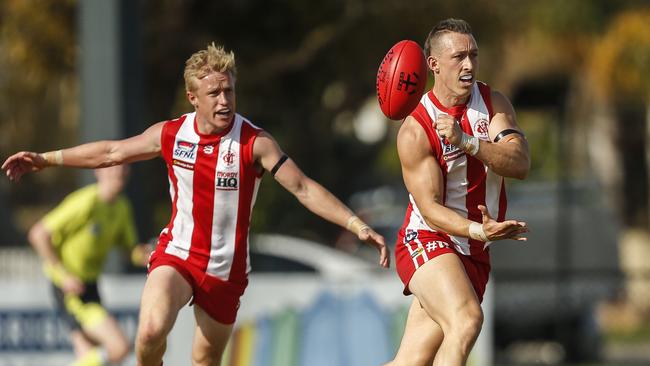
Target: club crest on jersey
[228,157]
[227,181]
[185,150]
[481,127]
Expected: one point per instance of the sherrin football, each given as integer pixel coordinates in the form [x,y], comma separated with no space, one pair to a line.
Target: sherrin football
[401,79]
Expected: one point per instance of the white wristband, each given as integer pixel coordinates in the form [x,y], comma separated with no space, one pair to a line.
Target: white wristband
[53,158]
[356,225]
[476,232]
[469,144]
[58,157]
[351,221]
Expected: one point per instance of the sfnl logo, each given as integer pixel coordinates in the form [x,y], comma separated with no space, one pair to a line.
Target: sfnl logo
[185,150]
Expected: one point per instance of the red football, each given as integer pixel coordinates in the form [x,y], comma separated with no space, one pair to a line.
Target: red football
[401,79]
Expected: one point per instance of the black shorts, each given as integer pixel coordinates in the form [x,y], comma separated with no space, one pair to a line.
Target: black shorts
[70,311]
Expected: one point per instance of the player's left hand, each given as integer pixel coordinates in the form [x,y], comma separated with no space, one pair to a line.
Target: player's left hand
[448,128]
[507,229]
[371,237]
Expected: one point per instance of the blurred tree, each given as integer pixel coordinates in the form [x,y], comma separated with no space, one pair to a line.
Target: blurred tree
[620,70]
[306,71]
[39,91]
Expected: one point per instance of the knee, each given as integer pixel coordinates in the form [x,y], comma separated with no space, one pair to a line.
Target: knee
[420,358]
[468,324]
[117,353]
[150,332]
[207,359]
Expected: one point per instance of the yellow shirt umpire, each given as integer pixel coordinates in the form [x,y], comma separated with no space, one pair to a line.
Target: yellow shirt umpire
[74,240]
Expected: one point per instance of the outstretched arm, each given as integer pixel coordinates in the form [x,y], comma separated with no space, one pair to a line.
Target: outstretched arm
[314,196]
[423,179]
[97,154]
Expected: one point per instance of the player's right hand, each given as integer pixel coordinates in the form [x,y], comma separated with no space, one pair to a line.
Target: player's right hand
[23,162]
[448,128]
[371,237]
[508,229]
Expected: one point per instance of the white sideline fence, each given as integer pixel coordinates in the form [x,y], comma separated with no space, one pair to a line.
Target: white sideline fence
[267,294]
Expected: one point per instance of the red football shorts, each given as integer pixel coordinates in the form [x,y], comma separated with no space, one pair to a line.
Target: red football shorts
[418,247]
[219,298]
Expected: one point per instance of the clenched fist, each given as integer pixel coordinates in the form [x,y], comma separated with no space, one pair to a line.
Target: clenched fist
[448,128]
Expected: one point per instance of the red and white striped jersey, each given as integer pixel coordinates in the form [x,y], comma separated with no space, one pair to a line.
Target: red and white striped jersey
[213,184]
[467,181]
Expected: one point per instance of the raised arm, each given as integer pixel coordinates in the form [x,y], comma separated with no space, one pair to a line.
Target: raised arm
[507,157]
[97,154]
[314,196]
[510,155]
[423,179]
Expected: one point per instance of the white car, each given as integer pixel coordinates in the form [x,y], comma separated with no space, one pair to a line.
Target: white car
[281,253]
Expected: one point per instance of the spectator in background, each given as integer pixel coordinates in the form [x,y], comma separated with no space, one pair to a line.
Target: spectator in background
[73,240]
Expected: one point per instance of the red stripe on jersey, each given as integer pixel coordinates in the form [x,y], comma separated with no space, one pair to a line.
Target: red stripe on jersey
[202,210]
[249,175]
[420,259]
[167,138]
[424,119]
